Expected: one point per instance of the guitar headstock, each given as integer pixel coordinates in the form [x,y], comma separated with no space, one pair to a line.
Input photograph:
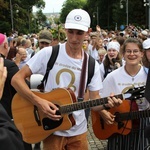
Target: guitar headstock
[133,93]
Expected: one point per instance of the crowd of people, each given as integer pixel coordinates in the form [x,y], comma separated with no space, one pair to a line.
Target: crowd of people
[122,59]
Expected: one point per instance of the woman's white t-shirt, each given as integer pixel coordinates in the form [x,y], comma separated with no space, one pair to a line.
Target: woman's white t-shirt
[118,80]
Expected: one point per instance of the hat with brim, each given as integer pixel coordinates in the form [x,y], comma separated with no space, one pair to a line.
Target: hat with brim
[78,19]
[45,36]
[76,26]
[45,40]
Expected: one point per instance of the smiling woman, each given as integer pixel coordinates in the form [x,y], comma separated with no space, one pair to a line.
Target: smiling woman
[130,74]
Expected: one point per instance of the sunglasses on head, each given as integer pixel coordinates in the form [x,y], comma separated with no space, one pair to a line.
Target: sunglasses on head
[44,43]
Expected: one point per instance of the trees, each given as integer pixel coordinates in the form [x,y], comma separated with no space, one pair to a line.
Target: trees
[69,5]
[23,18]
[111,14]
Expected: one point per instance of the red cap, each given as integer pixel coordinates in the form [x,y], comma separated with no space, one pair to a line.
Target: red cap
[2,38]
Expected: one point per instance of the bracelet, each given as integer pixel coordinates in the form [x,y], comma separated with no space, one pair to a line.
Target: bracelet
[106,107]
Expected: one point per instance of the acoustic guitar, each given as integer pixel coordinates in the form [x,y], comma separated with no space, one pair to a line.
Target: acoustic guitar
[35,127]
[125,115]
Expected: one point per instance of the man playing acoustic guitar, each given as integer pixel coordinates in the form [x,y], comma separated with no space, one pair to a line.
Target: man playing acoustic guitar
[65,73]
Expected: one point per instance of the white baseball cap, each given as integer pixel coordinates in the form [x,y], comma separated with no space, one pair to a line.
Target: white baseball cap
[146,44]
[78,19]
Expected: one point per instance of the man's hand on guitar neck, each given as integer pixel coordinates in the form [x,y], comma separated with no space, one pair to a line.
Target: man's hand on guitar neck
[49,109]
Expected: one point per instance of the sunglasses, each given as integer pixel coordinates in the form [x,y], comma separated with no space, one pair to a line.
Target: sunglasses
[44,43]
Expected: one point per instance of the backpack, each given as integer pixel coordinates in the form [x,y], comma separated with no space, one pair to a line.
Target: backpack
[50,64]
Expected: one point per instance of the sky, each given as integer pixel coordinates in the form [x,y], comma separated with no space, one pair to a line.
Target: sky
[52,6]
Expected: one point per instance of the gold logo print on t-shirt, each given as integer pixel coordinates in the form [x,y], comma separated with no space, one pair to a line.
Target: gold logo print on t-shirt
[71,84]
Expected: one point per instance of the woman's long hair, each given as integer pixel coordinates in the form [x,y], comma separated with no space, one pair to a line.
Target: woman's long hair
[107,62]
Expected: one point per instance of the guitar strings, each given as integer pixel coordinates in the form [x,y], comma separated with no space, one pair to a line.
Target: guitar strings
[124,127]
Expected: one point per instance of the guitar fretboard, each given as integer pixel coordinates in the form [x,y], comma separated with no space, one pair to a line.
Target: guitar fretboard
[85,104]
[132,115]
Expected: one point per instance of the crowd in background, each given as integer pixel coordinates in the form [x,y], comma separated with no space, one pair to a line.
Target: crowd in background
[96,44]
[104,46]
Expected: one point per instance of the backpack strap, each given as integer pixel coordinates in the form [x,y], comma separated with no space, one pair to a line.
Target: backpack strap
[91,69]
[106,71]
[33,53]
[51,61]
[50,64]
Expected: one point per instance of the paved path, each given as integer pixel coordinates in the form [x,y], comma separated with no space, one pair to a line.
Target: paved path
[95,143]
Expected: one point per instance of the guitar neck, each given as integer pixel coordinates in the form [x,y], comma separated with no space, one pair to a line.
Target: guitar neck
[132,115]
[85,104]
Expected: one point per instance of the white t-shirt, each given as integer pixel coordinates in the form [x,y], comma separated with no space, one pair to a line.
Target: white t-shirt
[117,80]
[93,52]
[65,73]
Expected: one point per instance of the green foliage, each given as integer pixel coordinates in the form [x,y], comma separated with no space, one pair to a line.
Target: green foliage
[5,27]
[136,13]
[58,33]
[70,5]
[40,4]
[41,17]
[111,14]
[22,15]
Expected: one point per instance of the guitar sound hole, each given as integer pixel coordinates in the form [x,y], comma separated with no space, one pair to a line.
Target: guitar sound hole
[120,125]
[118,119]
[49,124]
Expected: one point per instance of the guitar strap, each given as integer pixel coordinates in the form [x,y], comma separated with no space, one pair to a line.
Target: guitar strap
[82,79]
[147,88]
